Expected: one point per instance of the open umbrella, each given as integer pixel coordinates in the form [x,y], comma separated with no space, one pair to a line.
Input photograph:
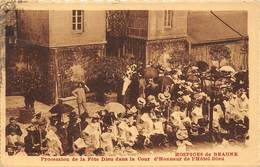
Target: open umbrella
[202,65]
[93,108]
[61,108]
[115,107]
[150,72]
[227,69]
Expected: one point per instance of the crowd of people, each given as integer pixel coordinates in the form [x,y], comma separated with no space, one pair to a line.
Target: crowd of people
[170,110]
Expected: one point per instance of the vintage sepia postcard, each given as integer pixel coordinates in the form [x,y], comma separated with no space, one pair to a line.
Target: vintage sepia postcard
[164,84]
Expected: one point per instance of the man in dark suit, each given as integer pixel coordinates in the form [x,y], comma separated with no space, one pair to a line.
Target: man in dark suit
[29,98]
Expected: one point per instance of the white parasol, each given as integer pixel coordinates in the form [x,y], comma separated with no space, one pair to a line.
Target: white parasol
[227,69]
[115,107]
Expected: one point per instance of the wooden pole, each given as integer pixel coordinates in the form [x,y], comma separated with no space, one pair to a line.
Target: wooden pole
[212,99]
[56,76]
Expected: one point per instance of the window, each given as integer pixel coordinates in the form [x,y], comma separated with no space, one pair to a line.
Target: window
[168,15]
[77,20]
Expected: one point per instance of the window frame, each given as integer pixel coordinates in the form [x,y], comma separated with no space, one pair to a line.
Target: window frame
[77,23]
[168,19]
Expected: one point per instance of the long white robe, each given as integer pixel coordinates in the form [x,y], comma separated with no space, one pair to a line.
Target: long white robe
[196,114]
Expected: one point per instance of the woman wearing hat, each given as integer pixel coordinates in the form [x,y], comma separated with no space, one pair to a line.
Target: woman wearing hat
[196,113]
[123,129]
[147,126]
[161,105]
[182,139]
[243,104]
[107,138]
[53,142]
[158,137]
[83,145]
[132,133]
[94,129]
[141,102]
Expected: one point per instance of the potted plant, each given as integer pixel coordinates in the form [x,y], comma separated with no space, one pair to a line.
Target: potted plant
[106,76]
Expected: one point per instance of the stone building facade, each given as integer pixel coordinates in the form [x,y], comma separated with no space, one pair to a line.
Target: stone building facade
[56,48]
[181,36]
[151,36]
[53,50]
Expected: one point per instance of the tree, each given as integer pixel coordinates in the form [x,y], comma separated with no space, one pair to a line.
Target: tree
[219,53]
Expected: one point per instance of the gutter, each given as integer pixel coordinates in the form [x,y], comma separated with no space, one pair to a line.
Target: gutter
[220,41]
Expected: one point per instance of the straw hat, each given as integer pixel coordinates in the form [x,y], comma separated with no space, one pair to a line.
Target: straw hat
[167,95]
[141,101]
[186,98]
[161,97]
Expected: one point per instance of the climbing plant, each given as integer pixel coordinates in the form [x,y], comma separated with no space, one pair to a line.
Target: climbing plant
[219,53]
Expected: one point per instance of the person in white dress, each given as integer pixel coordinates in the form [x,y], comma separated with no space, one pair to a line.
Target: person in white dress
[196,113]
[94,130]
[84,144]
[107,138]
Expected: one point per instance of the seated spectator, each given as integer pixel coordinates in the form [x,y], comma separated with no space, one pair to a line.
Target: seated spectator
[13,127]
[84,144]
[158,137]
[13,139]
[107,138]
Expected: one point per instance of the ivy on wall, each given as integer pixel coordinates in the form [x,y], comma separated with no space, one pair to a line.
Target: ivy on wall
[177,51]
[219,53]
[74,65]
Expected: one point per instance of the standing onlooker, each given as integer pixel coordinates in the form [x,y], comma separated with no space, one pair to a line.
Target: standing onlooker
[29,98]
[80,94]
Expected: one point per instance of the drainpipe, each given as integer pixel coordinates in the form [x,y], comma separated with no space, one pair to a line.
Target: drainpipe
[56,77]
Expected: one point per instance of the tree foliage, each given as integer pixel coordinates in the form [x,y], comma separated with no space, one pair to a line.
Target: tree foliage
[220,52]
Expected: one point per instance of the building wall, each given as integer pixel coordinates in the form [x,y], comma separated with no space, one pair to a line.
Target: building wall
[73,64]
[33,26]
[117,22]
[137,26]
[25,69]
[238,60]
[136,48]
[61,33]
[157,29]
[160,51]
